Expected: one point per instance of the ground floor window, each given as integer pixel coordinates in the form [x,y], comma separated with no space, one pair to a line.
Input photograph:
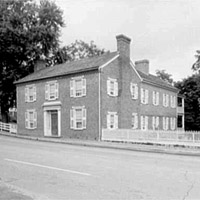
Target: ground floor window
[144,122]
[78,118]
[155,122]
[112,120]
[173,123]
[165,123]
[134,121]
[31,119]
[180,121]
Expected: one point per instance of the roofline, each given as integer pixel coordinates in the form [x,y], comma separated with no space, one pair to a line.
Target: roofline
[132,65]
[107,63]
[64,74]
[160,86]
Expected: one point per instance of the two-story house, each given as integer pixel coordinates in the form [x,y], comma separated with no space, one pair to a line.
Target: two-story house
[81,98]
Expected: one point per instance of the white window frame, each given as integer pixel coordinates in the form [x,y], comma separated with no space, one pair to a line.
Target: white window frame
[165,100]
[112,91]
[134,90]
[134,121]
[155,97]
[29,121]
[144,122]
[30,93]
[49,95]
[73,87]
[74,120]
[144,96]
[112,124]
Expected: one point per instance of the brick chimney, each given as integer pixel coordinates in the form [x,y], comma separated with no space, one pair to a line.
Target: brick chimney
[123,45]
[143,66]
[40,64]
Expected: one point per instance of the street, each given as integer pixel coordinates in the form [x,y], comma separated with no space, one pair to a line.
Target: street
[54,171]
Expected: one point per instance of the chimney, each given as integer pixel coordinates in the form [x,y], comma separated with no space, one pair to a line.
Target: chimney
[123,45]
[40,64]
[143,66]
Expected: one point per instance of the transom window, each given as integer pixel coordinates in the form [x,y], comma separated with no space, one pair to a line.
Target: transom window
[51,90]
[30,93]
[30,119]
[78,118]
[78,87]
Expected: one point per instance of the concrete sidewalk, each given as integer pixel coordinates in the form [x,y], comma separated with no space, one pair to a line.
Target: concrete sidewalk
[140,146]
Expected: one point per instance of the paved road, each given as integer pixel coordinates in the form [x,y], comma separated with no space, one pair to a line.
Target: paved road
[57,171]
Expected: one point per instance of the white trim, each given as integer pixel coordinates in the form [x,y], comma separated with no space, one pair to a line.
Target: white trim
[132,65]
[107,63]
[53,103]
[77,77]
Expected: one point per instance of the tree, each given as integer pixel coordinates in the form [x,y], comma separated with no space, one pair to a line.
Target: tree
[27,31]
[162,74]
[75,51]
[190,88]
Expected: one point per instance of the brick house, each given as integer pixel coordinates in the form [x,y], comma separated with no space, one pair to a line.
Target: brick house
[81,98]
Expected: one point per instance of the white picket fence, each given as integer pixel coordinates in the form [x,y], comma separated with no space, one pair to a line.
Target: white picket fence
[8,127]
[126,135]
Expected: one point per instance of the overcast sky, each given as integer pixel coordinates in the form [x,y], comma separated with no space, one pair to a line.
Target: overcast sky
[166,32]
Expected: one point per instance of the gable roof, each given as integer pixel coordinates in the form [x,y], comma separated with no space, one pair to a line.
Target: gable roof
[83,65]
[152,79]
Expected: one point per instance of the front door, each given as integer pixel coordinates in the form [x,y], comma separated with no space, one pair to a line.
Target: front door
[54,123]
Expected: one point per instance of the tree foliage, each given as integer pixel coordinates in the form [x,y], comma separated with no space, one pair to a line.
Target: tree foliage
[27,31]
[190,88]
[196,65]
[162,74]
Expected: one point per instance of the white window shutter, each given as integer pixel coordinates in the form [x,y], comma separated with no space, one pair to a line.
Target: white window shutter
[167,100]
[136,91]
[56,90]
[72,89]
[131,89]
[142,95]
[136,121]
[26,94]
[84,118]
[72,119]
[163,123]
[146,96]
[115,88]
[146,122]
[167,123]
[35,119]
[157,122]
[34,93]
[153,123]
[108,87]
[163,99]
[154,98]
[26,120]
[108,121]
[47,91]
[142,123]
[84,87]
[157,97]
[116,121]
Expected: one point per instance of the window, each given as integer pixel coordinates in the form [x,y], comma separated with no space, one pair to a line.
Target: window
[173,123]
[78,118]
[165,123]
[144,96]
[30,119]
[134,90]
[30,93]
[180,121]
[78,87]
[51,90]
[134,121]
[165,100]
[173,101]
[112,120]
[155,98]
[155,123]
[144,123]
[112,87]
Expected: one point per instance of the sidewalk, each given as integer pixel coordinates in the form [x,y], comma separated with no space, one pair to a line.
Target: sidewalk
[153,147]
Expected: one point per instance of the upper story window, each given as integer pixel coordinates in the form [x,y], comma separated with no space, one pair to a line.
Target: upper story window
[144,96]
[173,101]
[112,120]
[30,93]
[155,123]
[134,90]
[31,119]
[78,118]
[51,90]
[112,87]
[78,87]
[165,100]
[134,121]
[144,122]
[155,98]
[180,102]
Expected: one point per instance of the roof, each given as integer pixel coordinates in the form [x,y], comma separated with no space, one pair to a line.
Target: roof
[152,79]
[83,65]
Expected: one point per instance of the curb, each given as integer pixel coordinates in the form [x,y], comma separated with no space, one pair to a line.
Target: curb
[145,147]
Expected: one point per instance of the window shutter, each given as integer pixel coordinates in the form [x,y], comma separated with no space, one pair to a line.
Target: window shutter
[72,89]
[26,120]
[163,123]
[136,91]
[157,122]
[146,123]
[153,123]
[108,121]
[56,90]
[72,118]
[116,121]
[163,99]
[116,89]
[108,87]
[142,95]
[167,100]
[47,91]
[26,94]
[35,119]
[154,98]
[157,98]
[131,89]
[167,123]
[142,123]
[146,96]
[84,87]
[136,121]
[84,118]
[34,93]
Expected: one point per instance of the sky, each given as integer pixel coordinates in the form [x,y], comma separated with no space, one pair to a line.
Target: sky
[166,32]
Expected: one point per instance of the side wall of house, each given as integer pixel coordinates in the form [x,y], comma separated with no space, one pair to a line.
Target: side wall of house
[90,102]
